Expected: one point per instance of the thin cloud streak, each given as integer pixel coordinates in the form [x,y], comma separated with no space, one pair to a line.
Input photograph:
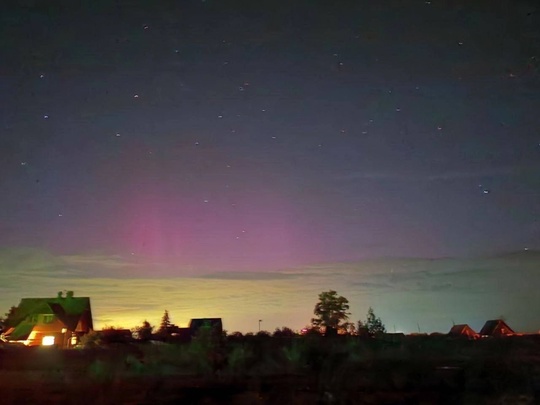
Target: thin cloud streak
[443,176]
[402,291]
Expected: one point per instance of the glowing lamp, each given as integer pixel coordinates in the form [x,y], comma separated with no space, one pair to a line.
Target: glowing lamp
[47,341]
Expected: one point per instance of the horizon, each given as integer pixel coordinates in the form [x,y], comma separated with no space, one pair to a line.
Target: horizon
[286,297]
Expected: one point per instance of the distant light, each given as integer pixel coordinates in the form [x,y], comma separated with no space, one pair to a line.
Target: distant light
[47,341]
[45,116]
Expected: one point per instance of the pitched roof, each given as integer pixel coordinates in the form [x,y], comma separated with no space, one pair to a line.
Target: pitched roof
[21,331]
[496,326]
[462,330]
[196,323]
[68,309]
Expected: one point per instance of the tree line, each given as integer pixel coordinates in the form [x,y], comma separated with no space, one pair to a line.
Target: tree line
[331,318]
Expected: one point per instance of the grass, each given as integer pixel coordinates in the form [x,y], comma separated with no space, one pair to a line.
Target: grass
[278,370]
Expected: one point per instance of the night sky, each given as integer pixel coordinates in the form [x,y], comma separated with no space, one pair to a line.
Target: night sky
[198,138]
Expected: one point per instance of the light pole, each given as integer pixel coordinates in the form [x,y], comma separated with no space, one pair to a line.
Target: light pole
[260,320]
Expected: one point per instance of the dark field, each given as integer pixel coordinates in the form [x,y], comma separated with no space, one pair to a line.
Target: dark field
[265,370]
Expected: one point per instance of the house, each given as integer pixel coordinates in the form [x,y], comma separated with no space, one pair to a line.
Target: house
[463,330]
[213,324]
[59,321]
[496,327]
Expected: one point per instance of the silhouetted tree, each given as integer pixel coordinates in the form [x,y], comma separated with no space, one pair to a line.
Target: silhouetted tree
[10,319]
[332,312]
[165,325]
[348,328]
[144,332]
[263,333]
[284,332]
[373,323]
[235,336]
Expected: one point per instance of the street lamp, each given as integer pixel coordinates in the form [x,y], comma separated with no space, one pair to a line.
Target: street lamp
[260,320]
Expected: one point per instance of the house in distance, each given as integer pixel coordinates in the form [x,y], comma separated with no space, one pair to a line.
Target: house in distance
[59,321]
[196,325]
[496,327]
[464,331]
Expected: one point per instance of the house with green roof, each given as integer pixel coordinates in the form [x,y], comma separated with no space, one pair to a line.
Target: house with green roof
[60,321]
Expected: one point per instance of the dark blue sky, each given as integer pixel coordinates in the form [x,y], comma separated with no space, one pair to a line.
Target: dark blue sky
[233,134]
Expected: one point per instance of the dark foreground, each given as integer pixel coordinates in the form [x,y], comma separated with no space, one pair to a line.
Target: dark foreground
[420,370]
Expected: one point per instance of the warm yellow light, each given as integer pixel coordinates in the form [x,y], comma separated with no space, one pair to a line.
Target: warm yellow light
[47,341]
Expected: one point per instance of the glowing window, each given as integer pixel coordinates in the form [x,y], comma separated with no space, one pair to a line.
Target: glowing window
[47,341]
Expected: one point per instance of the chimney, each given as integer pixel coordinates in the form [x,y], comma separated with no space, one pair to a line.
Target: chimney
[59,294]
[69,294]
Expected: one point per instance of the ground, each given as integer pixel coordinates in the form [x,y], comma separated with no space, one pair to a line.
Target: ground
[423,370]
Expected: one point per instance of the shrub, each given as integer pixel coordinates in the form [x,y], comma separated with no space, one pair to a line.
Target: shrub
[91,340]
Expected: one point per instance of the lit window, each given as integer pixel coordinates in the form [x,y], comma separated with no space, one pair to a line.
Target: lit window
[47,341]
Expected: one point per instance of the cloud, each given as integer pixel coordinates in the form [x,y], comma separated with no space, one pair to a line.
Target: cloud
[243,275]
[474,174]
[402,291]
[442,176]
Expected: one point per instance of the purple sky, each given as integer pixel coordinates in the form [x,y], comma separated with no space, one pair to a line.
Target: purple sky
[258,135]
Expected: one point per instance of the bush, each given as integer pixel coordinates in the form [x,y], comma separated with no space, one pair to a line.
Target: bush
[91,340]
